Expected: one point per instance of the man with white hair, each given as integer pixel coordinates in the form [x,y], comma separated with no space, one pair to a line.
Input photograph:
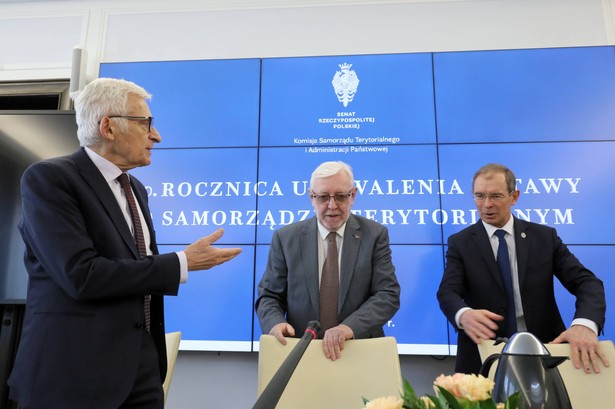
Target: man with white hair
[297,287]
[93,333]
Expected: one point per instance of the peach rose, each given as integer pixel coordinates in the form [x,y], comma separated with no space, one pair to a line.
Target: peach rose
[388,402]
[468,387]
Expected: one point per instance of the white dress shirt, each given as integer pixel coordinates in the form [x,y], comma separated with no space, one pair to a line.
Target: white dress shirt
[111,172]
[509,227]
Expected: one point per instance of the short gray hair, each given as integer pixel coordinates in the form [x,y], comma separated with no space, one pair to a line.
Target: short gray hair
[327,169]
[100,98]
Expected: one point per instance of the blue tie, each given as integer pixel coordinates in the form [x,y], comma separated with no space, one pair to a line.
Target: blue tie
[510,320]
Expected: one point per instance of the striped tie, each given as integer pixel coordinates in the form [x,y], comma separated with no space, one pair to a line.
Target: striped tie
[139,238]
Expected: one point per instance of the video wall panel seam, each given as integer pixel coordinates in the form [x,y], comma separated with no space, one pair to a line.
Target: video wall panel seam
[414,127]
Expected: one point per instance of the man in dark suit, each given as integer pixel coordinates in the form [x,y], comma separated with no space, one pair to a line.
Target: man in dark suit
[93,333]
[290,294]
[473,295]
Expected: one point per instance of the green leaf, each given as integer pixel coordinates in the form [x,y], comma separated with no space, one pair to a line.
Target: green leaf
[449,398]
[409,393]
[513,401]
[437,403]
[410,398]
[487,404]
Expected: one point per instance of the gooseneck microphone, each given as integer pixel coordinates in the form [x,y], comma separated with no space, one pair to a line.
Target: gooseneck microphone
[273,392]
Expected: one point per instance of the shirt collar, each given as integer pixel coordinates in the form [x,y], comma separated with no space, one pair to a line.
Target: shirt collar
[508,227]
[322,230]
[109,170]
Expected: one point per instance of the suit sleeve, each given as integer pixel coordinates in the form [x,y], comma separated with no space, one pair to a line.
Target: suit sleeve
[451,292]
[383,300]
[271,305]
[581,282]
[71,239]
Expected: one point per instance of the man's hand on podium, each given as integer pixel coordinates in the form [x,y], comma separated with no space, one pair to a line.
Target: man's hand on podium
[281,331]
[332,342]
[334,339]
[584,348]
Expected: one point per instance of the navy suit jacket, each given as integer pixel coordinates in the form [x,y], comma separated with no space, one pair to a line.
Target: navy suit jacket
[369,291]
[472,279]
[84,317]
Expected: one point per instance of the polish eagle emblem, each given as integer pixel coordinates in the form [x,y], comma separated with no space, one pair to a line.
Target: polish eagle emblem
[345,83]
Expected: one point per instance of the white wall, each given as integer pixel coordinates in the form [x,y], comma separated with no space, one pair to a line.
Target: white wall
[37,38]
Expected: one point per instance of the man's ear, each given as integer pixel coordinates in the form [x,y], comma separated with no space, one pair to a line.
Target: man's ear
[106,129]
[515,196]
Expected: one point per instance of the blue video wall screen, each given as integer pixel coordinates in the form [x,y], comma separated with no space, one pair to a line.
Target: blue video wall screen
[239,145]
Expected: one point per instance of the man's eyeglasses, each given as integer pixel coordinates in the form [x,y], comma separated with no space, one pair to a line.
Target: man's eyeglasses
[338,197]
[149,119]
[494,197]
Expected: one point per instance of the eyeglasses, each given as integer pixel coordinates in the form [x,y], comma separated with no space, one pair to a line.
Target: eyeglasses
[149,119]
[494,197]
[338,197]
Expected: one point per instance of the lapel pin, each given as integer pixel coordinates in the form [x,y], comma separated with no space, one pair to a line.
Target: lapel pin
[522,235]
[356,236]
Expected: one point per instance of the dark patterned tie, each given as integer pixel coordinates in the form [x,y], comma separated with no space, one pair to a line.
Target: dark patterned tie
[505,271]
[329,286]
[139,238]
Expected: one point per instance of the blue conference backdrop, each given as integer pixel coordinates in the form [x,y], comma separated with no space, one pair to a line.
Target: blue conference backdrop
[241,137]
[347,101]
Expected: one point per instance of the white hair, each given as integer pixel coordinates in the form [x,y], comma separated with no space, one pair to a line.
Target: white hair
[100,98]
[327,169]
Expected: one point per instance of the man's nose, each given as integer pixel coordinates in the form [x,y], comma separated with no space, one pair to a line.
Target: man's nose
[332,204]
[155,135]
[488,201]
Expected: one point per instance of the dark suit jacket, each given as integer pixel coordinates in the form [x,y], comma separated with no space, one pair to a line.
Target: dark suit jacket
[472,279]
[84,316]
[369,291]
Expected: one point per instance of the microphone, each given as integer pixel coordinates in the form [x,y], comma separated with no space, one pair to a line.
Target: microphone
[273,392]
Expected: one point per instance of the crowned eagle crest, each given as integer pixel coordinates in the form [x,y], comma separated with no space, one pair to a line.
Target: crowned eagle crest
[345,83]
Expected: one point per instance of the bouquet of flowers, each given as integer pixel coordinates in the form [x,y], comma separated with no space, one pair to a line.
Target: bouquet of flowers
[458,391]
